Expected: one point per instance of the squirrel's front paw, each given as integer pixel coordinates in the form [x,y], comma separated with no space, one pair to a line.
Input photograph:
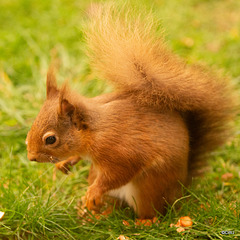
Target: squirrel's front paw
[93,198]
[63,166]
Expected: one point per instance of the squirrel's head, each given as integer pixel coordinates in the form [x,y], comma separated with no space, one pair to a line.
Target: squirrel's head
[58,131]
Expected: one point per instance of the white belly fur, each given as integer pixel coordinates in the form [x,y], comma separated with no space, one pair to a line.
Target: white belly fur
[126,193]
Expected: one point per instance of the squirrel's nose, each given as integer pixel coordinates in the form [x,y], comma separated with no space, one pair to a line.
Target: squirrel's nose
[32,157]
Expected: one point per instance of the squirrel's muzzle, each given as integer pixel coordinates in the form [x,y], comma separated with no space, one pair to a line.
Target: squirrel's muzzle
[32,157]
[42,157]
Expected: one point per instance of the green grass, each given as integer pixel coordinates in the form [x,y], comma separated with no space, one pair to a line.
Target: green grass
[40,205]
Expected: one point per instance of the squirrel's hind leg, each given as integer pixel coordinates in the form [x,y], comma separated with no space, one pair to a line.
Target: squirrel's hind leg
[156,191]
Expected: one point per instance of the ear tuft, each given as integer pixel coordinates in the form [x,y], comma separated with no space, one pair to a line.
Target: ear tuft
[52,89]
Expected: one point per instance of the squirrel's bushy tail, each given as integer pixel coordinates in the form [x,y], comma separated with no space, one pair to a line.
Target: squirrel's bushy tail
[127,51]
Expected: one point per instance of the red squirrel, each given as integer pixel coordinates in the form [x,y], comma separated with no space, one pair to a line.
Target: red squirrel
[145,138]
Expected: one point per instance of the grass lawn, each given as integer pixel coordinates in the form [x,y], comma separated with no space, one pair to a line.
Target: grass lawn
[40,203]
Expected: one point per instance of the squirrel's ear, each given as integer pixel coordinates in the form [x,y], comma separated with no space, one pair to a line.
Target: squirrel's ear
[65,108]
[52,89]
[77,114]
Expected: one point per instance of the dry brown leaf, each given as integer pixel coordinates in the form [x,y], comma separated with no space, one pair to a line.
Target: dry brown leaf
[227,176]
[182,222]
[143,222]
[122,237]
[155,220]
[186,221]
[180,229]
[126,223]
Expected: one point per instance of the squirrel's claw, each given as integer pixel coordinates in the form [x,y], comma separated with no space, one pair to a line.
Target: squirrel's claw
[65,166]
[93,199]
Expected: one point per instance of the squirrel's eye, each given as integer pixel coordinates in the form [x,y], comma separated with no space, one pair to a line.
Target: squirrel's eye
[50,140]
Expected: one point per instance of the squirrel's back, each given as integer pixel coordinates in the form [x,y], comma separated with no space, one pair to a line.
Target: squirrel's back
[125,49]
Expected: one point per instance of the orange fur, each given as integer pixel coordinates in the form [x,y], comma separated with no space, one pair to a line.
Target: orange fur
[144,138]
